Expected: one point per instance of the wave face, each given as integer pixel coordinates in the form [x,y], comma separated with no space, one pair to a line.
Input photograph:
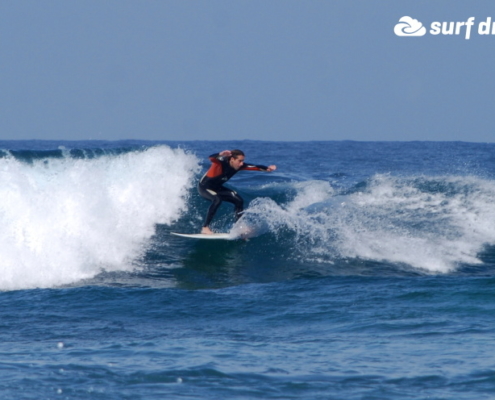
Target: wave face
[67,215]
[355,209]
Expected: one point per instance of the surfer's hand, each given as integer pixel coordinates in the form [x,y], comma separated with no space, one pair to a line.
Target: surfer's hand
[225,153]
[271,168]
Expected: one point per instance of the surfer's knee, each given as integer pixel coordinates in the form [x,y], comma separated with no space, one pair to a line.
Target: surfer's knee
[238,200]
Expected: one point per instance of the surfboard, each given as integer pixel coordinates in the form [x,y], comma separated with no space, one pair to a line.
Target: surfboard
[221,236]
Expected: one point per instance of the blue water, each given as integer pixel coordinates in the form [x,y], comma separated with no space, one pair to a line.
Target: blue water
[369,273]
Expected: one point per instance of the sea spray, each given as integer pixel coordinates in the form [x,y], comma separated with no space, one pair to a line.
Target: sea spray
[65,219]
[431,223]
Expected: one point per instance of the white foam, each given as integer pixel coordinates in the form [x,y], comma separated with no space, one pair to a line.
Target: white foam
[63,220]
[398,220]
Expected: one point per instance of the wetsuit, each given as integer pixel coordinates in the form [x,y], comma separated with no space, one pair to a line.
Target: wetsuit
[211,185]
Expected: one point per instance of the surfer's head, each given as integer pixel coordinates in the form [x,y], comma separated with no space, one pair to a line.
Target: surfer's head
[236,159]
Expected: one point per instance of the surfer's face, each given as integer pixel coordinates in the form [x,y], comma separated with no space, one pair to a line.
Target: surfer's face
[237,163]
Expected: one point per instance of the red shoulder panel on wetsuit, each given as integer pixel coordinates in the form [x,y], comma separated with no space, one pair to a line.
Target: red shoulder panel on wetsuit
[215,168]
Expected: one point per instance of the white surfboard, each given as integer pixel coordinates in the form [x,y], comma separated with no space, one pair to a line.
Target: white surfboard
[221,236]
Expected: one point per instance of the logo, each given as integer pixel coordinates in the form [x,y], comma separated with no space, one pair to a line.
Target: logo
[408,26]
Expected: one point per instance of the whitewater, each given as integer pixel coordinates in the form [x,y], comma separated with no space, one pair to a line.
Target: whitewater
[66,219]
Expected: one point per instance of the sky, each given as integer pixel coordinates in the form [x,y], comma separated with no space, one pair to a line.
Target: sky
[288,70]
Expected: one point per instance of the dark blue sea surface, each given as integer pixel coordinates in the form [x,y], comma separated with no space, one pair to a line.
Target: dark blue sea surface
[368,273]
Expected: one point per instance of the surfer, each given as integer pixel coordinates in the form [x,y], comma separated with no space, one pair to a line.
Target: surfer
[224,166]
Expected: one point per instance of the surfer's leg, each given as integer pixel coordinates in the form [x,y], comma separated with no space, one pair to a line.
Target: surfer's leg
[215,203]
[234,198]
[239,207]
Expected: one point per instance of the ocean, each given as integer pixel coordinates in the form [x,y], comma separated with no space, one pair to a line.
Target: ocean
[369,272]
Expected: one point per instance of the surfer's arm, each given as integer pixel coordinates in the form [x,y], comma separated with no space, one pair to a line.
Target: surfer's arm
[219,157]
[251,167]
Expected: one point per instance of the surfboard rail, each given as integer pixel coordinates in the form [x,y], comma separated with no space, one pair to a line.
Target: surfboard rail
[217,236]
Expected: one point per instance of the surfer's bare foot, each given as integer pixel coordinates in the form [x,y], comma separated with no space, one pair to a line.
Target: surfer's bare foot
[206,231]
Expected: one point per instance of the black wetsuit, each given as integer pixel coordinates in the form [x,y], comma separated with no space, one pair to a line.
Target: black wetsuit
[211,185]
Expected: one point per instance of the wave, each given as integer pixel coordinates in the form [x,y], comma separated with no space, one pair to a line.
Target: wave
[431,223]
[67,215]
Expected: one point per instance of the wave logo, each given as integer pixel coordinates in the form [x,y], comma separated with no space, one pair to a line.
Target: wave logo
[408,26]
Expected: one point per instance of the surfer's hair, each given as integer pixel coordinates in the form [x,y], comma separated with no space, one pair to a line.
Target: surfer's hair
[236,153]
